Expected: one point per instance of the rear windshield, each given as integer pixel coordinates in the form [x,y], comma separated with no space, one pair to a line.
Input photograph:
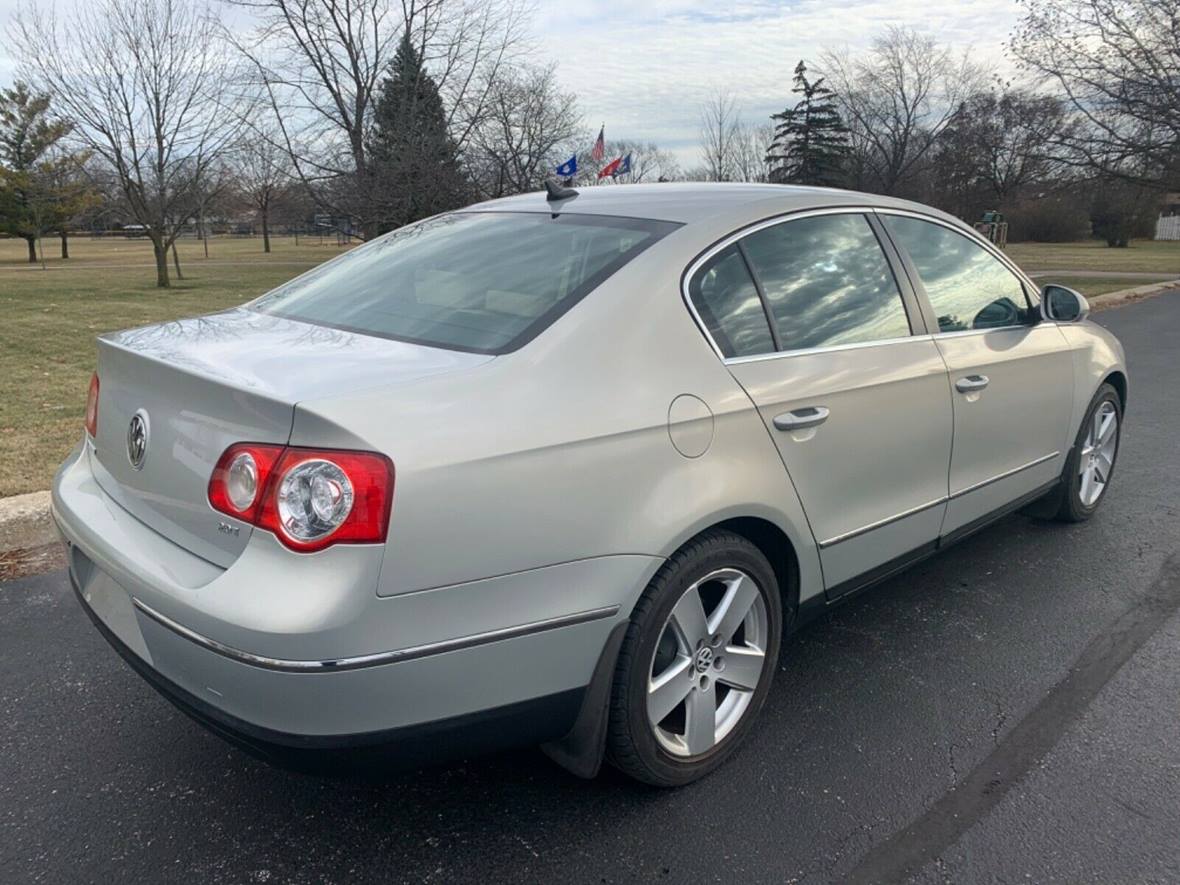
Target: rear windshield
[476,281]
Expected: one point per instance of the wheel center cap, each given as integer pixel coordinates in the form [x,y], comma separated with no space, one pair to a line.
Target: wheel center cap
[703,659]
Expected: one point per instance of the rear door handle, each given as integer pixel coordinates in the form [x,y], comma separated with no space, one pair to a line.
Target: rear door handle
[970,383]
[800,419]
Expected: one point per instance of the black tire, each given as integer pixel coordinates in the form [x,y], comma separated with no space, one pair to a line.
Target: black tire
[631,744]
[1071,508]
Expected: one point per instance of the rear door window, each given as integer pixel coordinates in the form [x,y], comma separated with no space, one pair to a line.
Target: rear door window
[477,281]
[827,282]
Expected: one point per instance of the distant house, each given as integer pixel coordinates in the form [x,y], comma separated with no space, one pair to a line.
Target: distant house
[1167,226]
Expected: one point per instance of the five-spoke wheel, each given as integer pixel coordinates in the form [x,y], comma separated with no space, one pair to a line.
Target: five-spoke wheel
[1097,460]
[707,663]
[697,661]
[1091,463]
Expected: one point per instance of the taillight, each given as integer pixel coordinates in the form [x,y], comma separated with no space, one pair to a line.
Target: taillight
[92,407]
[240,478]
[309,498]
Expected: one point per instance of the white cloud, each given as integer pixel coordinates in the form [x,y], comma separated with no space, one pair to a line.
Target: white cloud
[645,71]
[644,68]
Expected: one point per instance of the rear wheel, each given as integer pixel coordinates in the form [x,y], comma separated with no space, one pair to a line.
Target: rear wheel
[1090,466]
[697,661]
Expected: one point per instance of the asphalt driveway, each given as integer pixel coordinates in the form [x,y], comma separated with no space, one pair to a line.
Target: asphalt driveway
[1008,711]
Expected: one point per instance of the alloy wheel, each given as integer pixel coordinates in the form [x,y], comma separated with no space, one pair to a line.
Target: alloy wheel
[1098,451]
[707,663]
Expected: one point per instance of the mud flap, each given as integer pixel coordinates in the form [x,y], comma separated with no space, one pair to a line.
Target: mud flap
[582,749]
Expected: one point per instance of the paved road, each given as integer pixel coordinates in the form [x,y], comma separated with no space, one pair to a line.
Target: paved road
[1005,712]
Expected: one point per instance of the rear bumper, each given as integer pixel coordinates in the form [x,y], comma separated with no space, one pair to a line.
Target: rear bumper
[527,722]
[483,664]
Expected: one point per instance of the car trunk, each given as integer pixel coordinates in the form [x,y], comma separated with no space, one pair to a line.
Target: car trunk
[203,384]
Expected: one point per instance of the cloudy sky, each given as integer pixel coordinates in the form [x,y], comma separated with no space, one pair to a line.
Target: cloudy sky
[644,67]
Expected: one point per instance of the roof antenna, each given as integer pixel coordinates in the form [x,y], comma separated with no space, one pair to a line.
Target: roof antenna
[555,191]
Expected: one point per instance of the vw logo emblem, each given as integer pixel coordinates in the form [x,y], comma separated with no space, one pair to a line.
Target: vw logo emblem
[703,659]
[137,439]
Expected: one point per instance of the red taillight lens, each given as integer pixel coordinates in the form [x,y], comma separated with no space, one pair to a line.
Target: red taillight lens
[92,407]
[239,491]
[309,498]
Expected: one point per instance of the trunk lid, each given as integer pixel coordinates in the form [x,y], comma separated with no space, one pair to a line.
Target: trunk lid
[202,384]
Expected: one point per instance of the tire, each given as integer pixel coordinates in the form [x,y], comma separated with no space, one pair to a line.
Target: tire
[722,571]
[1078,502]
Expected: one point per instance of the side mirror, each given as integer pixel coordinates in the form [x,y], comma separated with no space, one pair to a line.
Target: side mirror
[1063,305]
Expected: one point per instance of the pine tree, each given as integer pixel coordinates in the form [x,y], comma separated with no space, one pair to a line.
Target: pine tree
[810,140]
[30,165]
[415,170]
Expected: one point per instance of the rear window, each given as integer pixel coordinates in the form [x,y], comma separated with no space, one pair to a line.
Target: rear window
[478,281]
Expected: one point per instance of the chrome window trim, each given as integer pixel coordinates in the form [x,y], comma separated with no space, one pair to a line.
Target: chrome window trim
[741,234]
[735,236]
[829,348]
[377,659]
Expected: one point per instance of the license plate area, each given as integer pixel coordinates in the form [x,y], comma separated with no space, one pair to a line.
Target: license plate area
[109,602]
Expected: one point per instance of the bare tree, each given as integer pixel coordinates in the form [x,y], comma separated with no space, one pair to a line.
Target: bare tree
[896,100]
[319,63]
[751,149]
[528,123]
[720,127]
[1116,63]
[145,84]
[262,175]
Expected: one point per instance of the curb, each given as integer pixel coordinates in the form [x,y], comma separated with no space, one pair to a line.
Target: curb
[1114,299]
[25,522]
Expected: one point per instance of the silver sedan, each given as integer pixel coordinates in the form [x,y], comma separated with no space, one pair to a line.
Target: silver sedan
[564,468]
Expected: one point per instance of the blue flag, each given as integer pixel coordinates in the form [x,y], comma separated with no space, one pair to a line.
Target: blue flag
[569,168]
[625,166]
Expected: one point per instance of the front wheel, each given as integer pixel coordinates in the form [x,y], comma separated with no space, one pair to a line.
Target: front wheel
[697,661]
[1090,466]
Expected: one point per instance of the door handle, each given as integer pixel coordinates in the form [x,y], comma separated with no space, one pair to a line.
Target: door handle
[800,419]
[970,383]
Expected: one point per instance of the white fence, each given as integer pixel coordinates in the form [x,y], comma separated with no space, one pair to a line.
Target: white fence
[1168,228]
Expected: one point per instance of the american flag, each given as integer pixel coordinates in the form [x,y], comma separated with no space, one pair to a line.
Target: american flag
[599,151]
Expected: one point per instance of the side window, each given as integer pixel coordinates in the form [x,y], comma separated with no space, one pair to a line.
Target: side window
[968,287]
[727,300]
[827,282]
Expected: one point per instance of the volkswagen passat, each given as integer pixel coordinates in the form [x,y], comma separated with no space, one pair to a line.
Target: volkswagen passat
[562,468]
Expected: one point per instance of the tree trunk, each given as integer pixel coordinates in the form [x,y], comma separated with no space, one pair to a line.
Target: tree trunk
[265,229]
[176,261]
[32,241]
[161,251]
[65,244]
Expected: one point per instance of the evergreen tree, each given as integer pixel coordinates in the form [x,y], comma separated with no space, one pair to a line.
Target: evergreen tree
[415,169]
[32,198]
[810,139]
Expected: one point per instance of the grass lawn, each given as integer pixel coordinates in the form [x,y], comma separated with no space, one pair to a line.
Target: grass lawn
[48,320]
[1142,256]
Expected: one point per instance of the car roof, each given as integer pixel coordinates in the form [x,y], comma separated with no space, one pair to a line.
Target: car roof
[689,202]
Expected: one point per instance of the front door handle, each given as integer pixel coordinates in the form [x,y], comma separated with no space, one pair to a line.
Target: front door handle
[970,383]
[800,419]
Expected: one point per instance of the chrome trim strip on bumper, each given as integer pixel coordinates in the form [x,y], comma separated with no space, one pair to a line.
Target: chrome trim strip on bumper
[1004,475]
[378,658]
[880,523]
